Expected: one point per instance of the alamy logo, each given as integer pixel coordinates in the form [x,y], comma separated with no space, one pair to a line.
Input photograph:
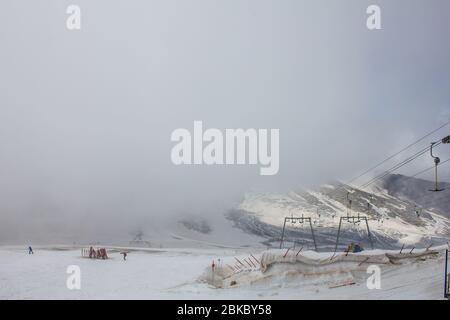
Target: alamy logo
[235,146]
[73,281]
[73,21]
[374,20]
[374,280]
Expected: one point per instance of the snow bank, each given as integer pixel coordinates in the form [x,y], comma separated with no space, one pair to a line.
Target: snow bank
[217,276]
[173,274]
[309,264]
[279,267]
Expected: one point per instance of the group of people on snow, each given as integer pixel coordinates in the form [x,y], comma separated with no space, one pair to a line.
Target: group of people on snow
[93,253]
[97,254]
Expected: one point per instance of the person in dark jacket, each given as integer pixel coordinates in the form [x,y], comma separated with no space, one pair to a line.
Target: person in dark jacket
[30,250]
[124,255]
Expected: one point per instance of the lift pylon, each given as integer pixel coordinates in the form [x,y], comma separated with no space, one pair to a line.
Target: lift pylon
[300,220]
[446,277]
[354,220]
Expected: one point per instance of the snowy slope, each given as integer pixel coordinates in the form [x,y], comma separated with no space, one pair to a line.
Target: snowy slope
[180,274]
[196,232]
[408,188]
[392,221]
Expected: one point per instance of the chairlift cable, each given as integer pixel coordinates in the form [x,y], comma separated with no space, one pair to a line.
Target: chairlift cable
[399,165]
[398,152]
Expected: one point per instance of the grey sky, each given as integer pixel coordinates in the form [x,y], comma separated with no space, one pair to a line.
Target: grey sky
[86,116]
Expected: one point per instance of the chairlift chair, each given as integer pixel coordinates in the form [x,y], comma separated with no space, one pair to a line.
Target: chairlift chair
[417,210]
[436,163]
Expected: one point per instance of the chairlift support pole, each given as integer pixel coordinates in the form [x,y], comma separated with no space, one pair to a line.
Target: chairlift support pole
[446,281]
[282,233]
[300,220]
[352,219]
[337,238]
[349,204]
[312,233]
[368,232]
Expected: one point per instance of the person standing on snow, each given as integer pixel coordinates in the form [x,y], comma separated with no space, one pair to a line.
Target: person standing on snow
[30,250]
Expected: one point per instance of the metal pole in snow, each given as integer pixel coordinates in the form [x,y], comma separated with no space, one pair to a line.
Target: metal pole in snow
[240,262]
[282,233]
[368,233]
[255,259]
[446,294]
[337,238]
[251,261]
[312,233]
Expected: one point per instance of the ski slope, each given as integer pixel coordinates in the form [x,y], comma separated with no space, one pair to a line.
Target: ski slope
[152,273]
[390,218]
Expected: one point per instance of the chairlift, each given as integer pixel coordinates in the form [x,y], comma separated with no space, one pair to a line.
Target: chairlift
[417,210]
[436,163]
[317,220]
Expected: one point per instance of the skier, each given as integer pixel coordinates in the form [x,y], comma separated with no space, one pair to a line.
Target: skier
[30,250]
[350,247]
[124,255]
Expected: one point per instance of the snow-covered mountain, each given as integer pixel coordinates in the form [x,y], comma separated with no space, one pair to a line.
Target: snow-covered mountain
[416,190]
[393,220]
